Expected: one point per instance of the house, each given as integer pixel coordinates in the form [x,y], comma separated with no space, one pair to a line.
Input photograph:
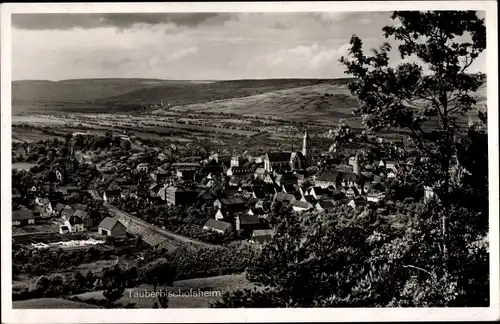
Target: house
[324,205]
[160,175]
[217,226]
[349,179]
[234,182]
[67,212]
[358,202]
[310,199]
[285,179]
[374,197]
[142,167]
[63,229]
[328,179]
[175,195]
[111,184]
[257,211]
[269,179]
[391,175]
[262,236]
[111,196]
[258,192]
[230,205]
[125,194]
[46,207]
[300,206]
[183,166]
[112,227]
[75,224]
[260,173]
[246,222]
[223,159]
[259,159]
[219,215]
[68,190]
[318,192]
[300,178]
[390,165]
[282,196]
[277,160]
[83,215]
[239,171]
[352,192]
[186,174]
[259,203]
[23,216]
[288,188]
[21,151]
[236,161]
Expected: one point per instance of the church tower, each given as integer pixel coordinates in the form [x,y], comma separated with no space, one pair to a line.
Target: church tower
[356,165]
[305,151]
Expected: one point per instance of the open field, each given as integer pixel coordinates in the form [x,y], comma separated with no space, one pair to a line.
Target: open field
[47,303]
[317,102]
[22,281]
[217,284]
[94,93]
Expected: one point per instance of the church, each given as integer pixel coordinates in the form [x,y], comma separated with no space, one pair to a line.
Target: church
[294,161]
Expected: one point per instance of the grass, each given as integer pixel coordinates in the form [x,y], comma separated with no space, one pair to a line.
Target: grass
[217,284]
[44,303]
[300,103]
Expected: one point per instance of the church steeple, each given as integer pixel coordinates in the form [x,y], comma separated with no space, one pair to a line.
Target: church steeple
[304,145]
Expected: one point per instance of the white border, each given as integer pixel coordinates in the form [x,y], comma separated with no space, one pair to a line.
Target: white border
[249,315]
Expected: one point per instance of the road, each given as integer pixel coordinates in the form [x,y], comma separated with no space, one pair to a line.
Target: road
[167,234]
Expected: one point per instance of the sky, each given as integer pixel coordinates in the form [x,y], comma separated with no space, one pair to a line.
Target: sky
[191,46]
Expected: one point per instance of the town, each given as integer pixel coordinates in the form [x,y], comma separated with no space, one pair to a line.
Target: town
[238,191]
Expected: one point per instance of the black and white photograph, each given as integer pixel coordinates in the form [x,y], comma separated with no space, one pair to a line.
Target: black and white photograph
[324,157]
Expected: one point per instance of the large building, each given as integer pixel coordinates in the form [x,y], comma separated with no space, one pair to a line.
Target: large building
[288,160]
[179,196]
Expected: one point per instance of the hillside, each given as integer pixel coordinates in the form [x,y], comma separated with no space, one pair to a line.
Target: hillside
[203,92]
[75,91]
[319,102]
[44,303]
[290,99]
[144,91]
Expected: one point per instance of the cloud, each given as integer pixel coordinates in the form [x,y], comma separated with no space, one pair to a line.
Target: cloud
[183,53]
[311,57]
[60,21]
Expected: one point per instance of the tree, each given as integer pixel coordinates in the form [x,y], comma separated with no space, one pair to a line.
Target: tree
[68,138]
[125,145]
[380,257]
[160,272]
[427,99]
[114,283]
